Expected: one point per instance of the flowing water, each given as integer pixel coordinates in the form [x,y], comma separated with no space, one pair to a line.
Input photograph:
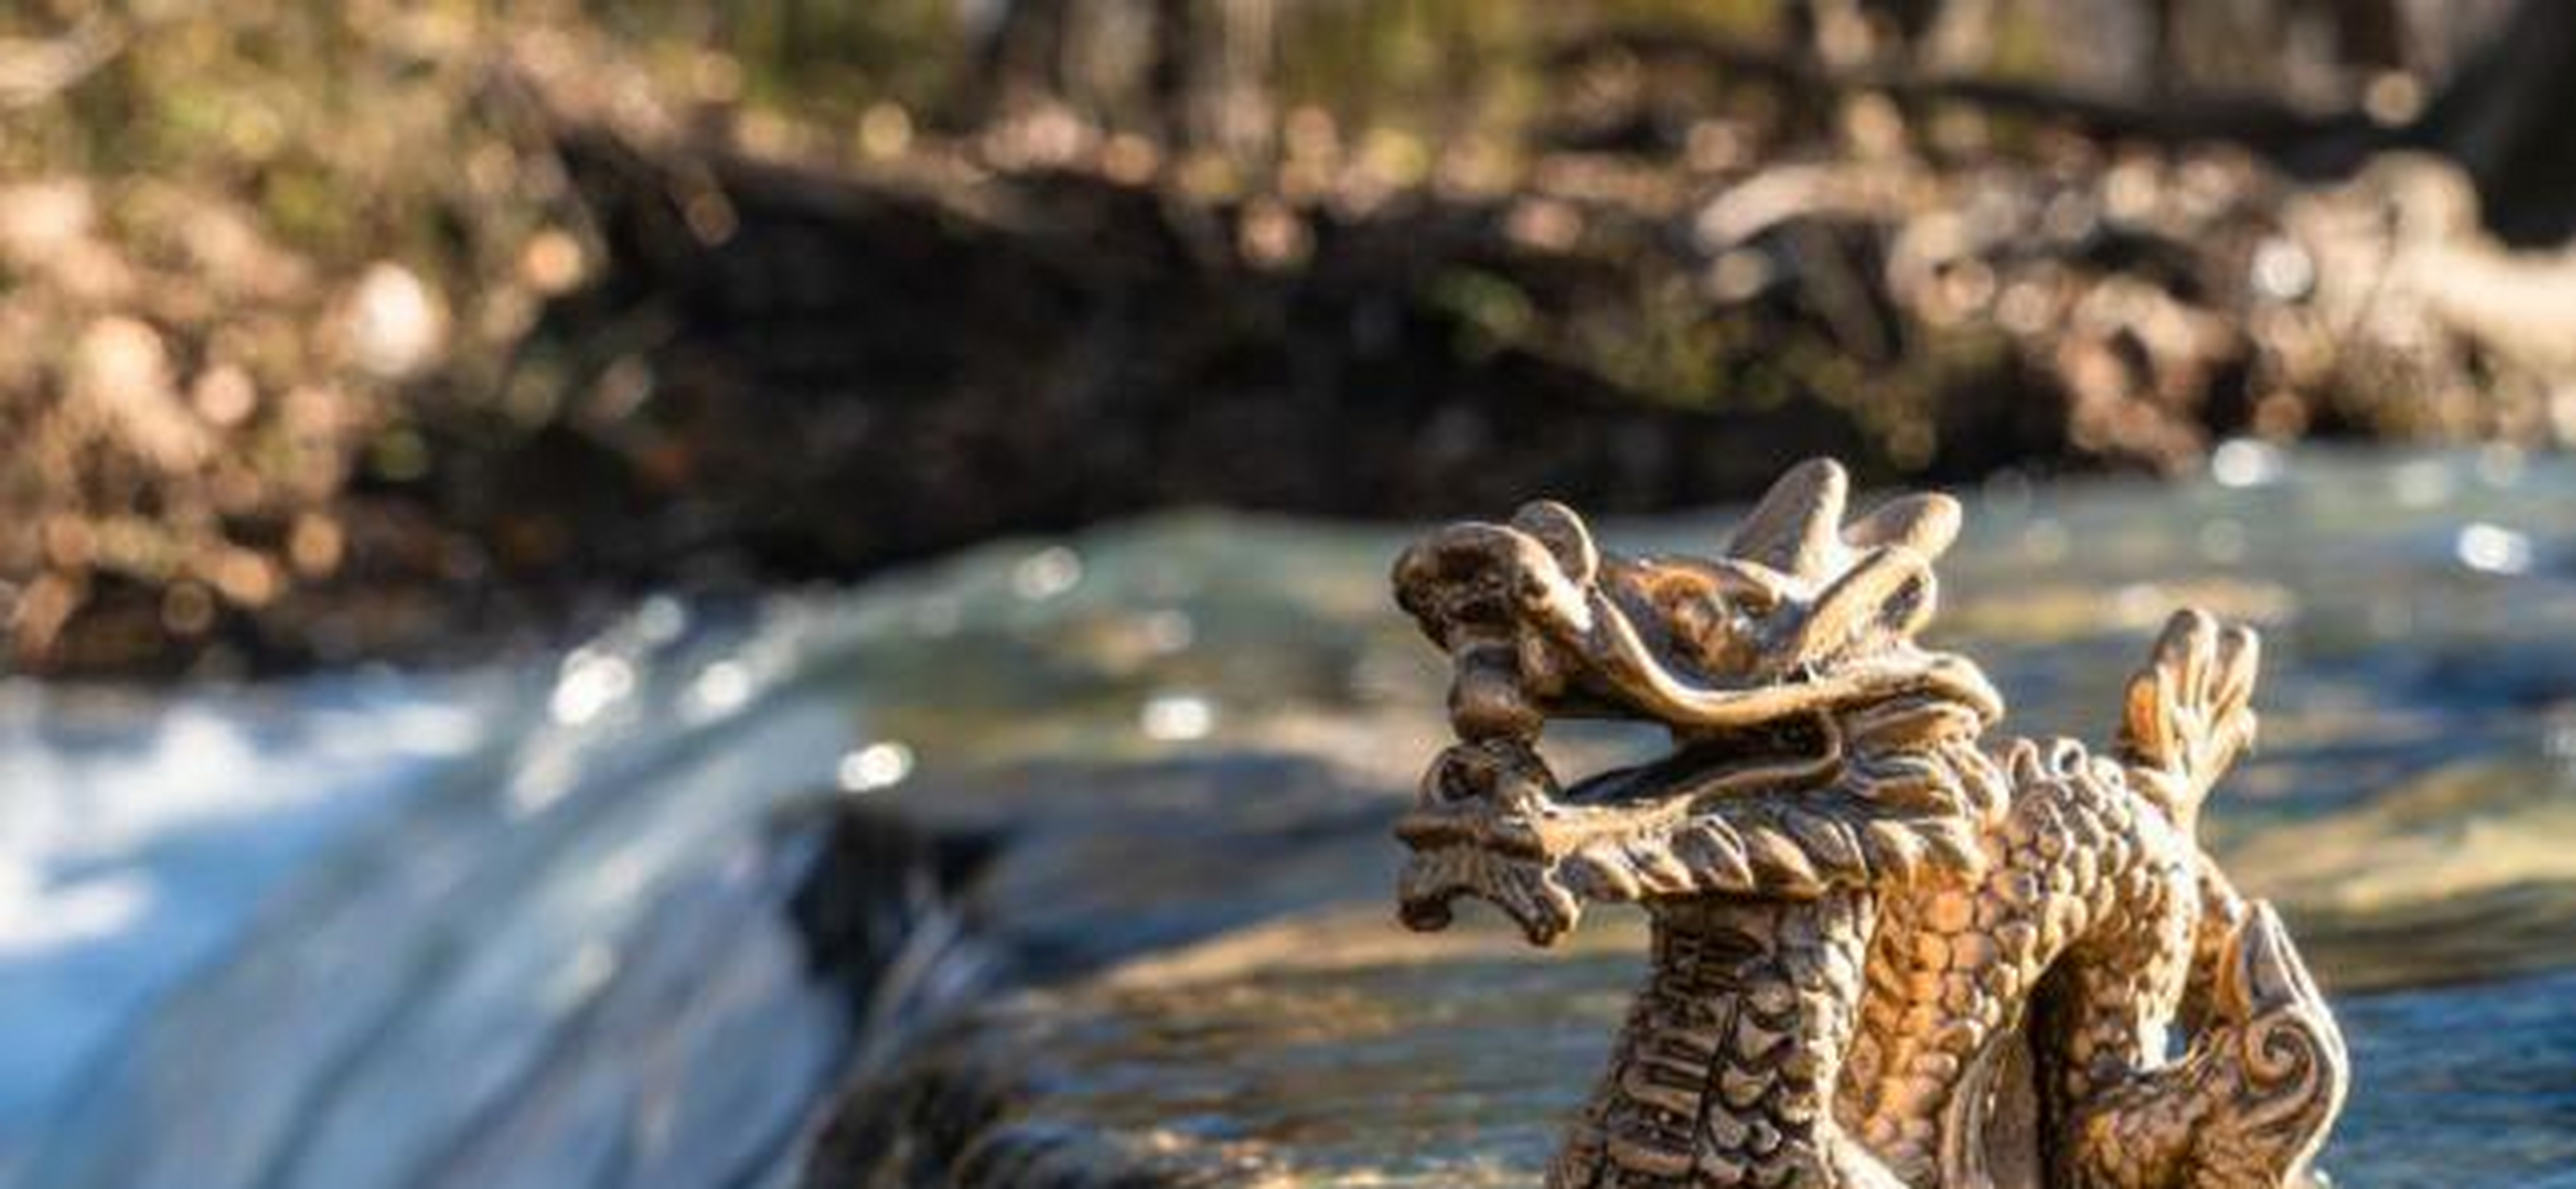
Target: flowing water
[540,923]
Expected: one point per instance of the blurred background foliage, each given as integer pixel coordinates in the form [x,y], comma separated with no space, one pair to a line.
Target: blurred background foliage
[328,327]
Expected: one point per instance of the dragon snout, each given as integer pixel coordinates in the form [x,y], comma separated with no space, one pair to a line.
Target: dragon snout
[1474,832]
[1488,698]
[1486,794]
[1486,593]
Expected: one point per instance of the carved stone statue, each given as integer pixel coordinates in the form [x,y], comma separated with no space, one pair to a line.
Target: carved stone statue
[1885,953]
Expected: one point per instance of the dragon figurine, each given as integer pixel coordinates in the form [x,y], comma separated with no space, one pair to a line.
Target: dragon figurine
[1885,954]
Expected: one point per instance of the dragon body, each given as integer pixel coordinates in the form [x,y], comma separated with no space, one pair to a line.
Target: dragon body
[1886,952]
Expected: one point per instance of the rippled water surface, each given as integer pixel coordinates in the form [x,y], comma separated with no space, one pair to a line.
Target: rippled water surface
[528,924]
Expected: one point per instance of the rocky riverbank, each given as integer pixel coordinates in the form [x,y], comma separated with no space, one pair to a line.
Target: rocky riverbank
[367,404]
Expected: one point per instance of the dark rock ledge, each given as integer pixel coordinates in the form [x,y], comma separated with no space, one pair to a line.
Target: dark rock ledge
[1019,900]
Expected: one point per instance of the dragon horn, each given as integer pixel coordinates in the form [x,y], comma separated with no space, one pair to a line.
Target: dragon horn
[1797,526]
[1564,535]
[1887,597]
[1925,523]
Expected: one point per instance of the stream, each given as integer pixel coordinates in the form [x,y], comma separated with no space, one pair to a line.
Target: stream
[1060,862]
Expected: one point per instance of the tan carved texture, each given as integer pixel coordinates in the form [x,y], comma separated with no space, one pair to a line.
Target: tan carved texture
[1887,952]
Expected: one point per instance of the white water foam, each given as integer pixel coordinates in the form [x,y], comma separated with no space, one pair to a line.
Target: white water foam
[139,832]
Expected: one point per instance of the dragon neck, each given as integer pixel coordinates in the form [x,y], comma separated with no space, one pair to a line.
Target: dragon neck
[1725,1072]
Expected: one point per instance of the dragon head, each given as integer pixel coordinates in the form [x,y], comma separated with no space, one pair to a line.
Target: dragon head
[1808,729]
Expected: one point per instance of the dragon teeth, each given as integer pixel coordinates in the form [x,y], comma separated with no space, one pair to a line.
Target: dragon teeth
[1781,863]
[1893,848]
[1657,868]
[1717,854]
[1828,844]
[1607,873]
